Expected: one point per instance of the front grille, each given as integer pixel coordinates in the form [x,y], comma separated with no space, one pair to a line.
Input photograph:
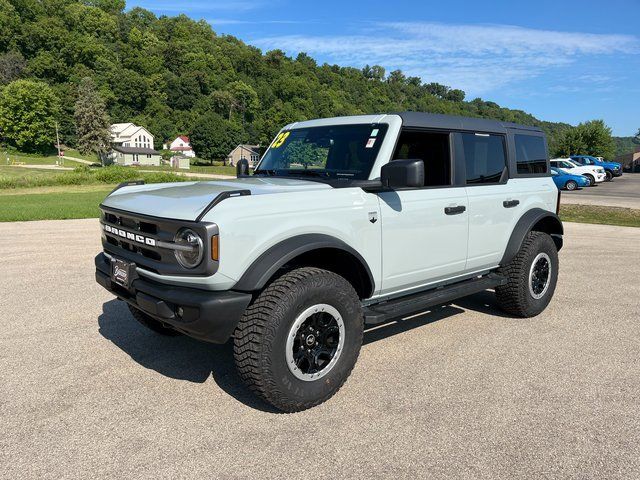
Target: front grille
[136,238]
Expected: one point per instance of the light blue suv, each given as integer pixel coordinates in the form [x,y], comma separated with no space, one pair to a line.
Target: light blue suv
[611,169]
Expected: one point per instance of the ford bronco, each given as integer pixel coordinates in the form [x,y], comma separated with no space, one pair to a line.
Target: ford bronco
[345,222]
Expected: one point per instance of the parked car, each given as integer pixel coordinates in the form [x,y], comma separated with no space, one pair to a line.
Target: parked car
[611,169]
[593,173]
[345,222]
[568,181]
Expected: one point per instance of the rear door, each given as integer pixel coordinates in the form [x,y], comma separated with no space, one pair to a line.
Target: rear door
[494,203]
[424,230]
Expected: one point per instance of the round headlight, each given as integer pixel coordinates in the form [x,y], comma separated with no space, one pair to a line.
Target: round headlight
[190,249]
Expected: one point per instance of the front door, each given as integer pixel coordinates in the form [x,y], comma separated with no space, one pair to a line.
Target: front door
[424,230]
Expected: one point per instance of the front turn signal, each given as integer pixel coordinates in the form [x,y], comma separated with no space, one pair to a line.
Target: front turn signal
[215,247]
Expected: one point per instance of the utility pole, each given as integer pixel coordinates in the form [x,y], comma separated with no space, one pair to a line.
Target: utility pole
[58,145]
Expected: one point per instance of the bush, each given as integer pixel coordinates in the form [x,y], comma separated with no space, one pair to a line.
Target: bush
[84,175]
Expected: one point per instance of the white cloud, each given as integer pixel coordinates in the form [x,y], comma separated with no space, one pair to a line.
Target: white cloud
[476,58]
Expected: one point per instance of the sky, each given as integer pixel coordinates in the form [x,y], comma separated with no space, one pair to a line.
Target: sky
[563,61]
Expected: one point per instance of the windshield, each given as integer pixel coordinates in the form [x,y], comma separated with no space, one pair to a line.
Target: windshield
[335,151]
[585,161]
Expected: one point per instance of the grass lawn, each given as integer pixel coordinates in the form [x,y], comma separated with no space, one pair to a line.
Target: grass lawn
[36,159]
[626,217]
[52,203]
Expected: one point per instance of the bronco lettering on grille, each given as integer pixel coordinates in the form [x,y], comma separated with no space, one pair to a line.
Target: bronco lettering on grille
[129,235]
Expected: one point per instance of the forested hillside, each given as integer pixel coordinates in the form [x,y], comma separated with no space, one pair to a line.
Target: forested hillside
[175,75]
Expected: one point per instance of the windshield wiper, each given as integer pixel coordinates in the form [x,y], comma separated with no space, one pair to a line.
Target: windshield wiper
[310,173]
[265,171]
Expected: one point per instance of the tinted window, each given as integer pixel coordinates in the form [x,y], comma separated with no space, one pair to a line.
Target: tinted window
[484,157]
[531,155]
[432,149]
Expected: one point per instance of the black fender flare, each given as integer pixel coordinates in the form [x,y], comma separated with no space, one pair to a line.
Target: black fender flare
[269,262]
[534,219]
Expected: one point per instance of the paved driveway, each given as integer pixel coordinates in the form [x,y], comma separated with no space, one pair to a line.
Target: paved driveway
[621,192]
[461,392]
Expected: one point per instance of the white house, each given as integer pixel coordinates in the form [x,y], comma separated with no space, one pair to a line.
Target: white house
[132,145]
[248,152]
[181,144]
[131,135]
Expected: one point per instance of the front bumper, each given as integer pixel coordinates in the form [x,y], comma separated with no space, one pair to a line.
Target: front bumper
[211,316]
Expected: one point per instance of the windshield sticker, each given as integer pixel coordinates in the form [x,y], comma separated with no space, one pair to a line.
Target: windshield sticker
[280,139]
[374,132]
[371,142]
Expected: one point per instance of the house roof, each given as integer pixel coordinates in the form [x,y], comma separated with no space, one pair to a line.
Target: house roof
[184,138]
[252,148]
[181,149]
[145,151]
[124,131]
[118,128]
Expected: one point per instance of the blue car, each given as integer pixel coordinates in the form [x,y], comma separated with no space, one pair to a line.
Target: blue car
[611,169]
[568,180]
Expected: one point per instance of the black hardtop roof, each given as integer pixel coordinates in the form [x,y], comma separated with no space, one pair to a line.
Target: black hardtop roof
[453,122]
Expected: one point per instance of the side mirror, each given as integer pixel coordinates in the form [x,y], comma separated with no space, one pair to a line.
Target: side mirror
[242,168]
[403,174]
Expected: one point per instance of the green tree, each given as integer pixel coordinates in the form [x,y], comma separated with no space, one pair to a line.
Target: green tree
[91,120]
[28,111]
[597,138]
[636,138]
[12,65]
[213,137]
[570,142]
[9,25]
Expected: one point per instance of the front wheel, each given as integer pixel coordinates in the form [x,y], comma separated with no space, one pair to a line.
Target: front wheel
[592,180]
[298,341]
[608,175]
[571,185]
[531,277]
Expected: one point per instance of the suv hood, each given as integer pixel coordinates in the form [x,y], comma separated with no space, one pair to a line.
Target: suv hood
[186,200]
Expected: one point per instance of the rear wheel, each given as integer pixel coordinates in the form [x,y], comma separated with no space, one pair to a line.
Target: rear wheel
[571,185]
[152,323]
[591,178]
[531,277]
[298,341]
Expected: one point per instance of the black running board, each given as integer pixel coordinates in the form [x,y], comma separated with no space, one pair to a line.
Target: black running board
[418,302]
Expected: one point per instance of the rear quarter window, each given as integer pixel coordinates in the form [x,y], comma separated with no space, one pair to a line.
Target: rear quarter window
[531,154]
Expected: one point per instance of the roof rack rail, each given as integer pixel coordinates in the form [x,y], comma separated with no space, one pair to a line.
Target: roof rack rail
[219,198]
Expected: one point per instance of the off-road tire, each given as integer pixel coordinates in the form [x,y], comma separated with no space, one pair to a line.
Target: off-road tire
[515,297]
[571,185]
[609,176]
[152,323]
[591,178]
[261,335]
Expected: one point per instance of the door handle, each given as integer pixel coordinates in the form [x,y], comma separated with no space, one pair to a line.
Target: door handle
[510,203]
[454,210]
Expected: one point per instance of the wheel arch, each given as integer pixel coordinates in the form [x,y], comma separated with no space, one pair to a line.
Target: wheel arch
[312,250]
[537,220]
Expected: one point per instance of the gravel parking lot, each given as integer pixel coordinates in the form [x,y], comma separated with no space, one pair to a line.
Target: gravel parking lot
[621,192]
[461,391]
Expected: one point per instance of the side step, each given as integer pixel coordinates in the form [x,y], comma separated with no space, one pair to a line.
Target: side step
[418,302]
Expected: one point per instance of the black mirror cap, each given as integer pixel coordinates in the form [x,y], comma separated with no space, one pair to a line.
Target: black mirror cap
[242,168]
[403,174]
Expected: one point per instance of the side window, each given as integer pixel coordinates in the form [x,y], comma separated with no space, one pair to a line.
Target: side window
[433,149]
[485,157]
[531,154]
